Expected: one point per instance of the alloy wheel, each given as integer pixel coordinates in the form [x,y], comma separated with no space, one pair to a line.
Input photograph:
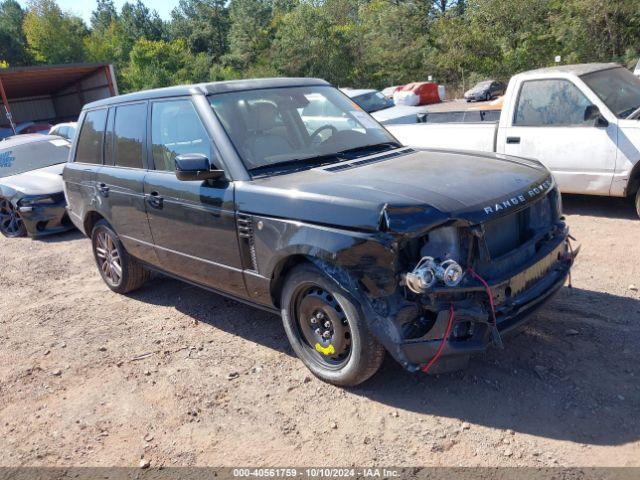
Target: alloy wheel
[108,258]
[10,221]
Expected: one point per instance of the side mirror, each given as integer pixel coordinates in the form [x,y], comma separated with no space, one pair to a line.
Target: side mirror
[592,112]
[195,166]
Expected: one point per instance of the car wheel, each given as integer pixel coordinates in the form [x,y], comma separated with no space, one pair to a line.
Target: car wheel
[487,97]
[120,271]
[638,202]
[326,329]
[11,225]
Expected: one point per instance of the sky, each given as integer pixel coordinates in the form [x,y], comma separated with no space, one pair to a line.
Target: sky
[83,8]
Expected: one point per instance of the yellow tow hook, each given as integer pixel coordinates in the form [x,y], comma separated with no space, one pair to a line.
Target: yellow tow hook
[325,350]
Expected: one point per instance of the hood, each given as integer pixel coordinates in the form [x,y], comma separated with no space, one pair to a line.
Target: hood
[402,191]
[36,182]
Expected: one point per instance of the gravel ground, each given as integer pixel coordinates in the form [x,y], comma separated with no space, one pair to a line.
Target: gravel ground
[179,376]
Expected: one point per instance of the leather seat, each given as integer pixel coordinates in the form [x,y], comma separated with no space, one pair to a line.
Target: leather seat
[263,143]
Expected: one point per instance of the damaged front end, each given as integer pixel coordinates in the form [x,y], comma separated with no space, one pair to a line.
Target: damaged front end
[469,280]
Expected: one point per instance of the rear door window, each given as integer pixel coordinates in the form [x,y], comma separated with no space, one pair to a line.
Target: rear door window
[89,149]
[129,134]
[176,129]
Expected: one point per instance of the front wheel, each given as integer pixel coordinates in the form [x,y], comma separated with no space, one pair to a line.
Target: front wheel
[120,271]
[327,330]
[11,225]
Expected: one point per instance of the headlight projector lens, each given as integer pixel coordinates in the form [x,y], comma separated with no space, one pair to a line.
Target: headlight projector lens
[450,273]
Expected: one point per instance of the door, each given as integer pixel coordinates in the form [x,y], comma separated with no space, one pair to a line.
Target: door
[80,174]
[120,182]
[548,124]
[192,222]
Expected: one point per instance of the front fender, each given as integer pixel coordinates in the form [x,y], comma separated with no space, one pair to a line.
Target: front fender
[368,257]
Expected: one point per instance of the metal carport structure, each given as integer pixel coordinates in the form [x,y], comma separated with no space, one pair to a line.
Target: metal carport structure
[53,93]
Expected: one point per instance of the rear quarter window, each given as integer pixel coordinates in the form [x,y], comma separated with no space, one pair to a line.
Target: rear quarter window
[89,148]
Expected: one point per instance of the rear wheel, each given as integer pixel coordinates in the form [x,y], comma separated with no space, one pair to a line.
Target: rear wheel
[11,225]
[120,271]
[326,329]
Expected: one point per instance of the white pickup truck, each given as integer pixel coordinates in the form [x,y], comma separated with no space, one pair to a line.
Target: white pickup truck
[581,121]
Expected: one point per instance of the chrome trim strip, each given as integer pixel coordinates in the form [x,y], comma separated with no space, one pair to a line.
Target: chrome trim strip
[192,257]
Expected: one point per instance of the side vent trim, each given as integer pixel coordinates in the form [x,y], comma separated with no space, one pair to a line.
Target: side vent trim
[247,244]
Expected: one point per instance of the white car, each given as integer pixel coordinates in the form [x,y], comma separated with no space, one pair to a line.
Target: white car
[65,130]
[382,108]
[580,121]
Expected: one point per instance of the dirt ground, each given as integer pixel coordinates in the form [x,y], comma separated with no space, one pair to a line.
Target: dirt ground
[91,378]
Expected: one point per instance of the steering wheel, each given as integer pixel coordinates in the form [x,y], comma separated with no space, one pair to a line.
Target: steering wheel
[315,133]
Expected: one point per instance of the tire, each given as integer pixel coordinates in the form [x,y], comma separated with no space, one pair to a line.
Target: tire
[355,356]
[487,97]
[638,202]
[109,253]
[11,225]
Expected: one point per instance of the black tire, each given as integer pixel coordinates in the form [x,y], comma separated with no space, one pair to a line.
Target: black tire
[132,274]
[11,225]
[358,355]
[487,97]
[638,202]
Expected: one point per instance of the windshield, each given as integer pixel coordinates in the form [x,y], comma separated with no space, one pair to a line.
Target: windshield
[24,157]
[373,101]
[618,88]
[288,126]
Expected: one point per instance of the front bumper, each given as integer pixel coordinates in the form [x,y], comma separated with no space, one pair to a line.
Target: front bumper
[535,284]
[45,219]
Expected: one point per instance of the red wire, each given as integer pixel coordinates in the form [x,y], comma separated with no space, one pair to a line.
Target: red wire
[489,293]
[426,368]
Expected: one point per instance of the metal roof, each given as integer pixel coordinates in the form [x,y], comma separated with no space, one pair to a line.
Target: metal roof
[577,69]
[209,88]
[44,79]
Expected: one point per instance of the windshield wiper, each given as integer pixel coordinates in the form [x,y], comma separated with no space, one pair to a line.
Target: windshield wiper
[300,163]
[634,113]
[369,149]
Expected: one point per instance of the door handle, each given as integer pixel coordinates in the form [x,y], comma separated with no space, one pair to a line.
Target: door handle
[154,200]
[513,140]
[103,189]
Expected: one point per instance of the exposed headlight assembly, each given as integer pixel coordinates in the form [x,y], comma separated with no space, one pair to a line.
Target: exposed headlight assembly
[36,200]
[428,271]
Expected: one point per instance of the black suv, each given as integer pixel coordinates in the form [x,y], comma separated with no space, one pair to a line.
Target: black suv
[361,244]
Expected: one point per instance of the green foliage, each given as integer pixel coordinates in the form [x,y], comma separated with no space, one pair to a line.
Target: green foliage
[139,22]
[52,35]
[104,15]
[249,34]
[158,63]
[372,43]
[13,43]
[203,24]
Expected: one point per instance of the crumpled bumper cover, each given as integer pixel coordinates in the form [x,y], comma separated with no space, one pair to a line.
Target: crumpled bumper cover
[45,219]
[510,314]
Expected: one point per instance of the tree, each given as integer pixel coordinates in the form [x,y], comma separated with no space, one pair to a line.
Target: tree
[139,22]
[203,24]
[104,15]
[158,63]
[317,41]
[597,30]
[13,43]
[52,35]
[389,51]
[249,34]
